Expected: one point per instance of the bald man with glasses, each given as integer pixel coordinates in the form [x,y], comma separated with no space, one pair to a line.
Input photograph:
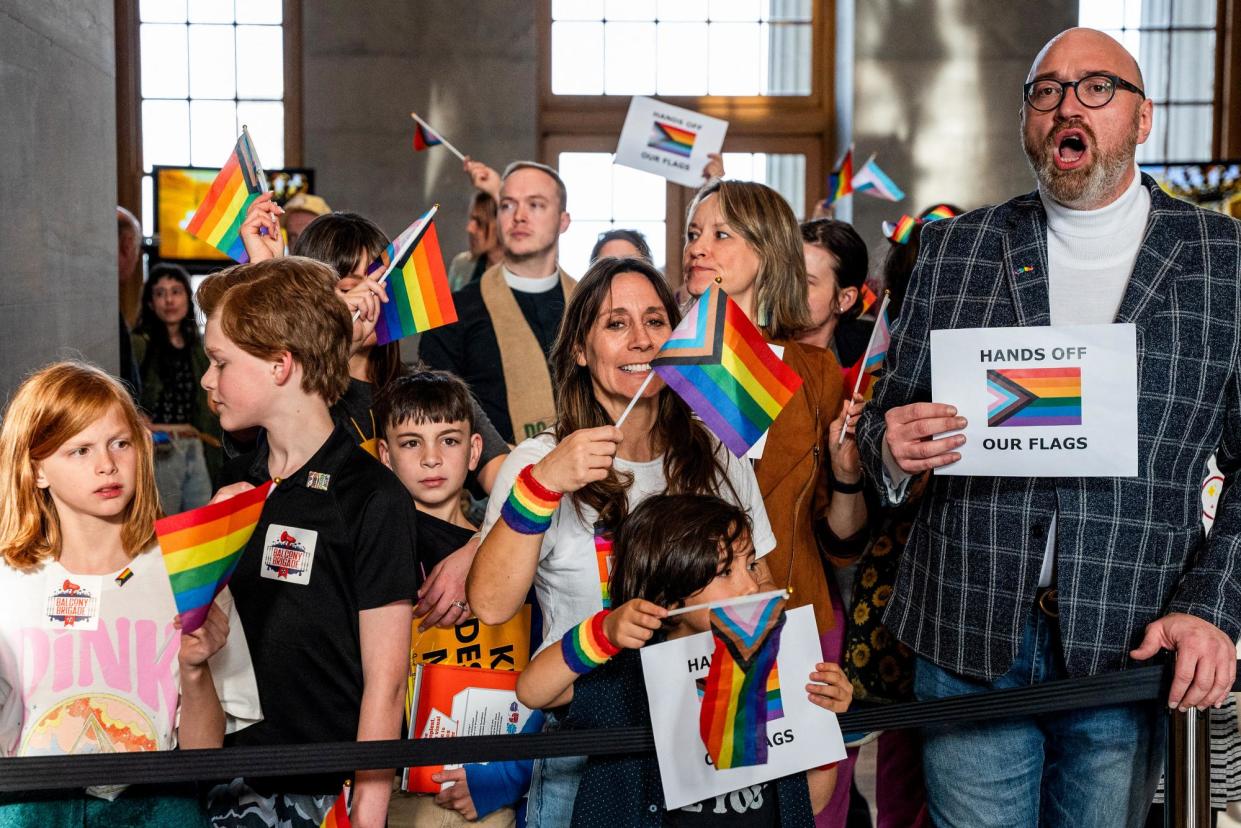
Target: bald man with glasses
[1009,582]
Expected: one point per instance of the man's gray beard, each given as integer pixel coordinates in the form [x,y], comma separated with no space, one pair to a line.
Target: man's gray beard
[1081,189]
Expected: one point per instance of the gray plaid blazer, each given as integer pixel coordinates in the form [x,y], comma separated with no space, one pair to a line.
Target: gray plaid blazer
[1128,550]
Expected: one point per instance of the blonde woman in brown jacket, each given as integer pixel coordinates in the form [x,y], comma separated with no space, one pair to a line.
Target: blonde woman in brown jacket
[743,237]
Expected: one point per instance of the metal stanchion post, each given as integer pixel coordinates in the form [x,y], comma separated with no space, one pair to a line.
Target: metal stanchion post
[1187,770]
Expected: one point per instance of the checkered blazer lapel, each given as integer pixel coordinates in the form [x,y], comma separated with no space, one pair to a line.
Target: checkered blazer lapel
[1156,264]
[1025,261]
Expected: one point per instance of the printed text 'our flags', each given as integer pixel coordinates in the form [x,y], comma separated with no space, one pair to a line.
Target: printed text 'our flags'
[718,362]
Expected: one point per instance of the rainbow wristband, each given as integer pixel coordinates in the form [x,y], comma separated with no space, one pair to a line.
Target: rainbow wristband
[586,646]
[530,506]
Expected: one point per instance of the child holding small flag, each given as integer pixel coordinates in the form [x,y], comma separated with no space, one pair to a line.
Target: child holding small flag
[672,551]
[79,573]
[325,583]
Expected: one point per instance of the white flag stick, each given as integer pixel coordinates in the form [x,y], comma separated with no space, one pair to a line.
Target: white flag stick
[620,420]
[443,140]
[729,602]
[400,254]
[857,383]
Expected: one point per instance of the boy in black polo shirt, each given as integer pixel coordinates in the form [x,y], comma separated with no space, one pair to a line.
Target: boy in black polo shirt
[325,584]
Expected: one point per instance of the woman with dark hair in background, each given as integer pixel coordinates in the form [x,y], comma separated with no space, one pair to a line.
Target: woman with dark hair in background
[836,269]
[171,360]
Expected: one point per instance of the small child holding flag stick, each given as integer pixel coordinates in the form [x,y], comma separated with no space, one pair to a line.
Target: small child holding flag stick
[687,552]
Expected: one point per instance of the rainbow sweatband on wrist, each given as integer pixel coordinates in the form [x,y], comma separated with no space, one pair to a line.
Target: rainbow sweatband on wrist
[530,506]
[586,646]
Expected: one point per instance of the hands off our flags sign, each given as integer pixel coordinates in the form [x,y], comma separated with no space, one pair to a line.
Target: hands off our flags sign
[669,140]
[1041,401]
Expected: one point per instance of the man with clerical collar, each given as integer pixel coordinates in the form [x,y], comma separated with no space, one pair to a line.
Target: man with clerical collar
[1011,581]
[507,320]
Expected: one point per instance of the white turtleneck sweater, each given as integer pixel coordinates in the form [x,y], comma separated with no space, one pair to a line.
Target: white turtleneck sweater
[1090,256]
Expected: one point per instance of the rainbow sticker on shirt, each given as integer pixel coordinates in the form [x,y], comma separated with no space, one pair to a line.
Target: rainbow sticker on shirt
[670,138]
[1034,396]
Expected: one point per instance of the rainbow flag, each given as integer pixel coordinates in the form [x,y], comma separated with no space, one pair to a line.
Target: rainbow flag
[718,362]
[604,558]
[939,211]
[1034,396]
[419,297]
[671,138]
[338,817]
[201,548]
[424,138]
[735,703]
[875,182]
[900,231]
[775,707]
[840,181]
[218,219]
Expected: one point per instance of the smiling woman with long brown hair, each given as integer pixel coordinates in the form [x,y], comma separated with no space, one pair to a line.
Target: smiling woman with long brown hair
[585,475]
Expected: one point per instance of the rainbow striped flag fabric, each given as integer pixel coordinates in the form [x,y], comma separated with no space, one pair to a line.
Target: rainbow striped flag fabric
[671,138]
[217,221]
[1034,396]
[424,138]
[604,558]
[840,181]
[736,704]
[201,548]
[338,817]
[419,297]
[719,363]
[898,232]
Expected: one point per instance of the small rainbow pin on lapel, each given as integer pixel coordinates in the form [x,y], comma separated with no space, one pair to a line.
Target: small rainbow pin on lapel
[124,577]
[1017,271]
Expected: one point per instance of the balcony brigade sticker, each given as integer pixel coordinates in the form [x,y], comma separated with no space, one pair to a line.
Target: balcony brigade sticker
[289,553]
[73,602]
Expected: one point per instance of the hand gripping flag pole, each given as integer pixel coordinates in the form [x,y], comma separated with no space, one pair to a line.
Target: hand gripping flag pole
[873,358]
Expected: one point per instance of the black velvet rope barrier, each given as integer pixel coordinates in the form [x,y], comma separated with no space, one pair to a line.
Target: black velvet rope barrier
[52,772]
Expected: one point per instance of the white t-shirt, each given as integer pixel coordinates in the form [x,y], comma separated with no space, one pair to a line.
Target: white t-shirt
[567,581]
[88,664]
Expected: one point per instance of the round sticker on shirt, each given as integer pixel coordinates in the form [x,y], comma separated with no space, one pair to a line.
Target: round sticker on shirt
[289,553]
[72,601]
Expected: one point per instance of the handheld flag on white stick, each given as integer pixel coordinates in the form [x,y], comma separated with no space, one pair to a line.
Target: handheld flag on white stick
[873,181]
[876,352]
[729,602]
[425,137]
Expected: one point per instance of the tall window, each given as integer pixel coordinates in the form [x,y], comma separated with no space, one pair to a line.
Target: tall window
[681,47]
[207,68]
[1174,42]
[764,65]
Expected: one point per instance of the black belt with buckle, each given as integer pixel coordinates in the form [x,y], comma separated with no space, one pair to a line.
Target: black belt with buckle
[1045,599]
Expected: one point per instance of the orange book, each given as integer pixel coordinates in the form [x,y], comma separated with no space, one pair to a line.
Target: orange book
[446,701]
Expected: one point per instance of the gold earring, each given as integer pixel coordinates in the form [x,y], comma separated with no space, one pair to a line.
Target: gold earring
[719,280]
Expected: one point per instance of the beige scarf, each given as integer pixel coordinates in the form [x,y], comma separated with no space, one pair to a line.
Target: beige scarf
[531,407]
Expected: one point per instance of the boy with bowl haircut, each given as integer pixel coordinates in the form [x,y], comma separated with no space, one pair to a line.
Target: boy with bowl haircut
[325,584]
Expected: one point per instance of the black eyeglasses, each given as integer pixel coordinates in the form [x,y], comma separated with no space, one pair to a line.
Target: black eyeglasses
[1093,91]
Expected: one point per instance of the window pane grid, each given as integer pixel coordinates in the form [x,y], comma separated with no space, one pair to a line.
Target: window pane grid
[686,47]
[1174,43]
[208,67]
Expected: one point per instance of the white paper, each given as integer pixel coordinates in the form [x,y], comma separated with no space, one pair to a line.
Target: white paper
[645,145]
[1006,435]
[486,711]
[807,736]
